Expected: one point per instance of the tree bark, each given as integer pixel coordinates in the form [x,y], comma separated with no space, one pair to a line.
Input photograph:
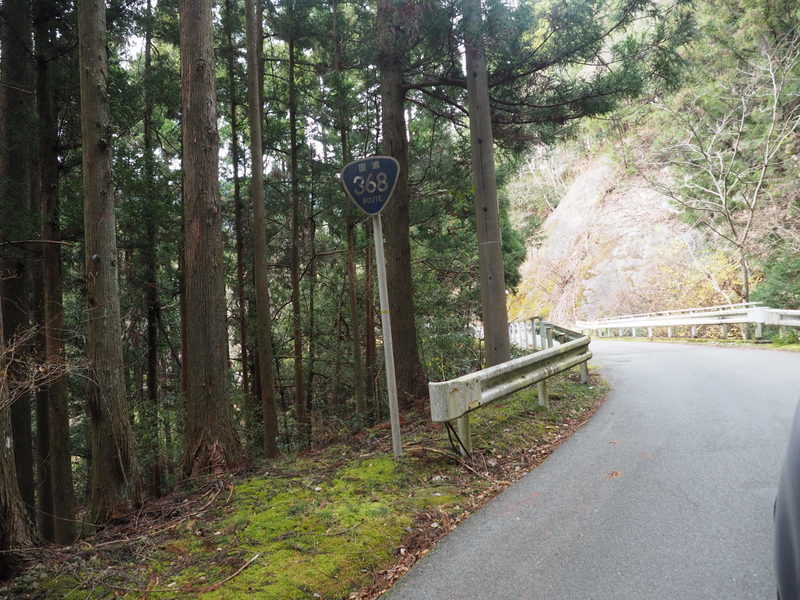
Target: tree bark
[370,351]
[16,211]
[210,439]
[114,480]
[241,299]
[58,462]
[484,178]
[301,414]
[260,266]
[411,379]
[15,526]
[152,407]
[344,126]
[44,482]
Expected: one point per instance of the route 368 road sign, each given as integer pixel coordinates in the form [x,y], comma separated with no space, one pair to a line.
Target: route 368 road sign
[370,182]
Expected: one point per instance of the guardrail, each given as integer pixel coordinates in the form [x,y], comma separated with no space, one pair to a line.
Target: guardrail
[743,315]
[453,400]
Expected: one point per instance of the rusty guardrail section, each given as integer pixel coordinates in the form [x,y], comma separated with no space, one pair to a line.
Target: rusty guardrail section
[453,400]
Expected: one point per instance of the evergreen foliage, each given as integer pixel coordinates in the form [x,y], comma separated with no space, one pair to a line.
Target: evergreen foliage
[550,64]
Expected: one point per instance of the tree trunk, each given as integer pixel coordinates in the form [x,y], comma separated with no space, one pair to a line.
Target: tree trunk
[411,379]
[745,269]
[370,351]
[344,126]
[249,408]
[114,481]
[154,467]
[210,438]
[15,526]
[58,462]
[301,414]
[16,211]
[44,498]
[487,212]
[312,311]
[355,325]
[260,266]
[44,481]
[15,307]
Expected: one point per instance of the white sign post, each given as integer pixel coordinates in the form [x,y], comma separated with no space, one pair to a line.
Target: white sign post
[370,182]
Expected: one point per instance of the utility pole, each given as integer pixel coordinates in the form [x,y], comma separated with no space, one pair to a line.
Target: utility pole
[484,177]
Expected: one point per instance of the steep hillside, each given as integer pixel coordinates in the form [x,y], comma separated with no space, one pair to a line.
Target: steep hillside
[613,245]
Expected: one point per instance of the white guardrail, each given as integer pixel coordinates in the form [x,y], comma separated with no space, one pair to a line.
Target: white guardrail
[559,349]
[742,315]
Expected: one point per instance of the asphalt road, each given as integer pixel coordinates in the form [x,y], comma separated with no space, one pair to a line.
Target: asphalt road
[666,493]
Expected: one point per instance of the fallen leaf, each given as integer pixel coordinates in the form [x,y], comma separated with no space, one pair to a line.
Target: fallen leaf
[614,475]
[615,443]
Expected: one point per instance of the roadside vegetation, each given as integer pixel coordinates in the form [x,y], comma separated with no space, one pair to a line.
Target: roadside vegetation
[343,520]
[713,163]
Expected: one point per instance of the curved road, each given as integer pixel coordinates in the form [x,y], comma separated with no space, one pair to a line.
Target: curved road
[665,494]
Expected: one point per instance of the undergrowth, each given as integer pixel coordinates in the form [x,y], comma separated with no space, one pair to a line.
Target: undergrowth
[343,521]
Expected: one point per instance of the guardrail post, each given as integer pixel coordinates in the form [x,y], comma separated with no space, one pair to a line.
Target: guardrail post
[759,331]
[541,391]
[725,329]
[543,335]
[782,331]
[649,332]
[464,434]
[694,331]
[584,372]
[745,331]
[549,336]
[669,331]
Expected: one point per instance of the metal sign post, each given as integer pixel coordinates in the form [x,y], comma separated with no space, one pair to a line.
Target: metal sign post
[370,182]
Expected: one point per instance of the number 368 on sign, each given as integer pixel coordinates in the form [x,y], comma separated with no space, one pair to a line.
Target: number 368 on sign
[370,182]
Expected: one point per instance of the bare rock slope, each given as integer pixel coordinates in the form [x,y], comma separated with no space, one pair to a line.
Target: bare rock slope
[611,246]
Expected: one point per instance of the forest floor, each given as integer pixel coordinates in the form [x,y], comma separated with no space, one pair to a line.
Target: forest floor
[344,520]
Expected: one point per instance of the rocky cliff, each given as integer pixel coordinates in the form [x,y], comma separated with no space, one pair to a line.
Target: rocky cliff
[615,246]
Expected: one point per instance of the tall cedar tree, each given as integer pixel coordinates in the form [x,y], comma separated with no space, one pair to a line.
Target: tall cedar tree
[114,484]
[248,406]
[211,442]
[57,463]
[411,379]
[263,307]
[151,295]
[16,211]
[15,527]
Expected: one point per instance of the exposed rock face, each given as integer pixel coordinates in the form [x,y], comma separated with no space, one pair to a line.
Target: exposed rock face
[612,246]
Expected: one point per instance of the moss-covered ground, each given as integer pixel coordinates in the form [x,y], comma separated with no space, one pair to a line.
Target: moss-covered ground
[341,521]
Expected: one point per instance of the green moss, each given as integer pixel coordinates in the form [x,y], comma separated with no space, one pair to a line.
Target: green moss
[321,525]
[312,539]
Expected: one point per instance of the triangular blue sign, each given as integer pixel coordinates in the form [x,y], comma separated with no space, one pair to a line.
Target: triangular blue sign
[370,182]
